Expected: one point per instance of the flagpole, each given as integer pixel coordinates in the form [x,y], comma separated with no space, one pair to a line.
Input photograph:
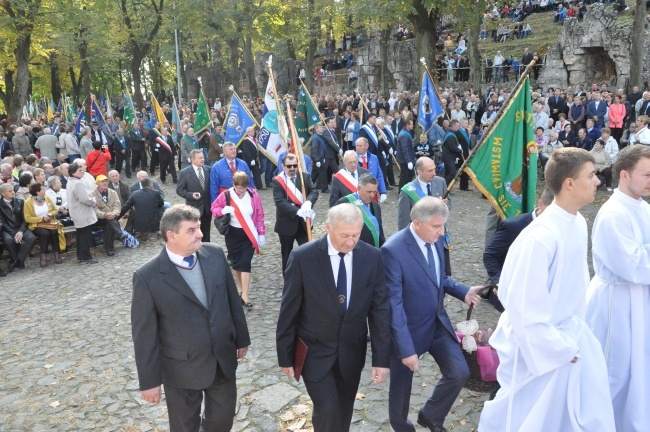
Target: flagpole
[503,109]
[435,87]
[269,64]
[320,116]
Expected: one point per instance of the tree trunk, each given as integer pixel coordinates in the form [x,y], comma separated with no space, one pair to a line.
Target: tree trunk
[119,65]
[181,60]
[291,49]
[385,74]
[137,81]
[636,49]
[474,53]
[425,23]
[250,66]
[314,33]
[85,75]
[5,96]
[21,90]
[55,77]
[233,45]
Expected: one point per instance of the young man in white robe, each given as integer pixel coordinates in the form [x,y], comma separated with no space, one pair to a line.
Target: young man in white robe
[618,299]
[552,372]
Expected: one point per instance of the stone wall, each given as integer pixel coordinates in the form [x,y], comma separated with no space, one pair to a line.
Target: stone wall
[596,49]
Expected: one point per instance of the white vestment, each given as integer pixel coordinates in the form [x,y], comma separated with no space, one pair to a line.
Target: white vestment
[542,287]
[618,305]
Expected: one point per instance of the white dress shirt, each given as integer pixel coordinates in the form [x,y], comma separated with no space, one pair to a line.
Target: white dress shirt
[335,260]
[423,247]
[179,259]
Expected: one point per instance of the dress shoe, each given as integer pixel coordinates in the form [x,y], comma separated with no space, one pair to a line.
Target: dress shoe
[12,266]
[247,304]
[389,188]
[88,261]
[425,422]
[20,264]
[110,252]
[3,273]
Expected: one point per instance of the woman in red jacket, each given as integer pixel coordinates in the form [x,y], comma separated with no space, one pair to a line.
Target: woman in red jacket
[616,118]
[96,159]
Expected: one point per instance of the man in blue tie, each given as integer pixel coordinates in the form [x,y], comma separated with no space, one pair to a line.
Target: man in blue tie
[416,282]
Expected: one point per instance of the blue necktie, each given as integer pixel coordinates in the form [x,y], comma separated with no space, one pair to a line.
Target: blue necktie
[429,189]
[189,260]
[432,263]
[342,284]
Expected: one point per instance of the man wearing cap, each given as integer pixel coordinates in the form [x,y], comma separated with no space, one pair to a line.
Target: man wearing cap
[107,210]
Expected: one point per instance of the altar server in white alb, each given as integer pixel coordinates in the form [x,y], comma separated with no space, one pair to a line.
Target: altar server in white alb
[618,299]
[552,373]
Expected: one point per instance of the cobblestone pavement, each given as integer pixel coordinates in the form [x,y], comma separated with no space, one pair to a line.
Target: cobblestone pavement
[66,355]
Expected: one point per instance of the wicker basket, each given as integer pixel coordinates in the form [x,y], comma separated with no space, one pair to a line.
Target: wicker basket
[475,382]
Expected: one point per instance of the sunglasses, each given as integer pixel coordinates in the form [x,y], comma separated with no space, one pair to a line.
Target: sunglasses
[292,166]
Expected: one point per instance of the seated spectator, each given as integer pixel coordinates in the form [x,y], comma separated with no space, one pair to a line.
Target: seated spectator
[58,195]
[449,45]
[560,15]
[138,185]
[423,148]
[353,77]
[17,239]
[567,136]
[582,11]
[540,139]
[97,159]
[550,147]
[148,203]
[107,211]
[41,217]
[39,176]
[602,164]
[461,45]
[24,181]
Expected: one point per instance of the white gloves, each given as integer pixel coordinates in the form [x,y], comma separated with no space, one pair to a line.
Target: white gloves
[261,240]
[305,213]
[410,165]
[382,198]
[306,205]
[340,152]
[317,164]
[252,163]
[390,151]
[383,154]
[228,210]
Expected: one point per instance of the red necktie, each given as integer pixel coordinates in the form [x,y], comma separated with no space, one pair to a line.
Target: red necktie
[232,167]
[364,162]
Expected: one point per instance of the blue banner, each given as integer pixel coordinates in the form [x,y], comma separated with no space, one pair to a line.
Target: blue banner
[430,107]
[237,121]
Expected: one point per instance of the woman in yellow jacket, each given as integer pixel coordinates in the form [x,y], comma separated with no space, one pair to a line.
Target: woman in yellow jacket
[40,215]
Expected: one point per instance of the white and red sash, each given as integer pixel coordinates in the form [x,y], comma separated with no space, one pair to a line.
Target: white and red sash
[160,140]
[348,181]
[290,189]
[244,219]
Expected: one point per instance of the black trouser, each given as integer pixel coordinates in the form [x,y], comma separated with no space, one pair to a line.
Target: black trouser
[48,237]
[164,165]
[464,181]
[84,242]
[139,157]
[405,175]
[450,172]
[184,406]
[123,158]
[19,252]
[320,176]
[333,398]
[257,175]
[390,173]
[206,225]
[331,168]
[155,160]
[605,175]
[286,243]
[110,230]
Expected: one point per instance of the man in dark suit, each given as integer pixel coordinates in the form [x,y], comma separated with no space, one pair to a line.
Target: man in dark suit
[64,174]
[451,151]
[17,239]
[189,327]
[526,58]
[123,192]
[332,151]
[138,150]
[334,291]
[414,265]
[346,180]
[292,208]
[463,135]
[596,110]
[365,198]
[556,104]
[148,203]
[194,186]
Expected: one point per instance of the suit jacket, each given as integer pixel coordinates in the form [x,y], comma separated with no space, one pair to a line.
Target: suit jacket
[286,218]
[366,235]
[450,150]
[12,219]
[332,146]
[148,205]
[123,191]
[506,233]
[136,187]
[599,112]
[310,310]
[338,189]
[112,205]
[177,340]
[405,203]
[560,106]
[188,184]
[416,300]
[64,181]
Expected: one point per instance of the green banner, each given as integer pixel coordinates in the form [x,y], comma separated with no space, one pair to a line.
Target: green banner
[504,168]
[306,114]
[202,120]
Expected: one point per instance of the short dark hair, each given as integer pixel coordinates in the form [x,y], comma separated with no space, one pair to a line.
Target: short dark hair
[565,163]
[73,168]
[629,157]
[172,218]
[145,182]
[35,188]
[25,179]
[240,178]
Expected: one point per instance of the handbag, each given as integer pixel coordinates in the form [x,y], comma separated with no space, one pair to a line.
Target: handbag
[223,223]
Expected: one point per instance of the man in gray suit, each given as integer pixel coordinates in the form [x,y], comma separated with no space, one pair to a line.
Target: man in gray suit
[189,327]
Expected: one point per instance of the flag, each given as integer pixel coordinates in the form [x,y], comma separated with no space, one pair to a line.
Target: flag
[80,118]
[430,107]
[155,108]
[30,107]
[109,106]
[273,133]
[202,120]
[129,110]
[96,114]
[70,112]
[306,114]
[59,108]
[237,121]
[176,120]
[504,167]
[49,112]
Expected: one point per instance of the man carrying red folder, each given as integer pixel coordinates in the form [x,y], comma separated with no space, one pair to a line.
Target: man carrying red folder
[334,290]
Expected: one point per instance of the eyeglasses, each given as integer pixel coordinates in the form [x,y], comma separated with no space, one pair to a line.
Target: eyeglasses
[292,166]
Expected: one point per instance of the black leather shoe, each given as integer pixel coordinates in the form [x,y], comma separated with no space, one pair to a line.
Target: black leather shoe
[12,266]
[88,261]
[425,422]
[20,264]
[110,252]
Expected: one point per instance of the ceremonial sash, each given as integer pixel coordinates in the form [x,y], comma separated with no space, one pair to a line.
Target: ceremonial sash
[367,220]
[160,140]
[414,192]
[291,190]
[348,181]
[244,219]
[371,134]
[392,135]
[192,141]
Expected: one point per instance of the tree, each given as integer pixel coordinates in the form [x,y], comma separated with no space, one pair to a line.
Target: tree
[636,49]
[21,14]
